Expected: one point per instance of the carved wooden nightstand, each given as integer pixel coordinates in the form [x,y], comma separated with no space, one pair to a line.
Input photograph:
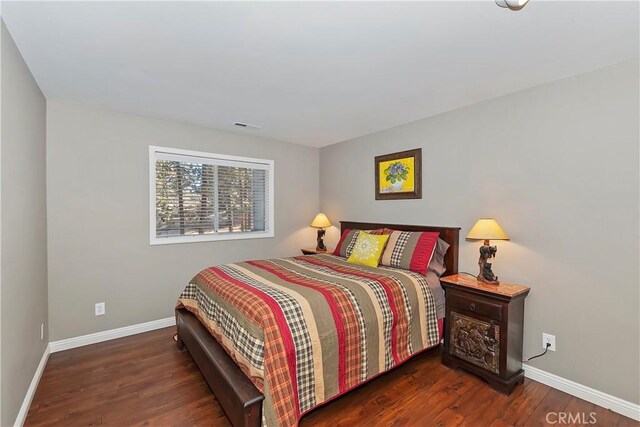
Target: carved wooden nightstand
[483,329]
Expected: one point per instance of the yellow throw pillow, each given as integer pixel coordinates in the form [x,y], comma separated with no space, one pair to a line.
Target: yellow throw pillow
[368,249]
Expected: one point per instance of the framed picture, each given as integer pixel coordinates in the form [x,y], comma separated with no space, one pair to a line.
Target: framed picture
[399,175]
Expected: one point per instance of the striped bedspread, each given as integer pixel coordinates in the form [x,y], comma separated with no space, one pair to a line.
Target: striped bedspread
[309,328]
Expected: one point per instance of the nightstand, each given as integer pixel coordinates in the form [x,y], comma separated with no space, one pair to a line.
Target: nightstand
[483,329]
[313,251]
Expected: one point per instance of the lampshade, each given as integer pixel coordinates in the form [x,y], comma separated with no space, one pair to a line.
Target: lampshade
[512,4]
[321,221]
[487,229]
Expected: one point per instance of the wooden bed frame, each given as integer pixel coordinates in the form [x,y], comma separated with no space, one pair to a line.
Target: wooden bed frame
[239,398]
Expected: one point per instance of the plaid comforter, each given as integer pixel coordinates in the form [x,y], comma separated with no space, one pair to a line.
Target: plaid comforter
[309,328]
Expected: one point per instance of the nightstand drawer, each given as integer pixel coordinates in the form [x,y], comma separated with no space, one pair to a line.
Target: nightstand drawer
[474,304]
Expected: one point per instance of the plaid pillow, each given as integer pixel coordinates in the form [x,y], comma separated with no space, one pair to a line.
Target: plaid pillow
[346,243]
[410,250]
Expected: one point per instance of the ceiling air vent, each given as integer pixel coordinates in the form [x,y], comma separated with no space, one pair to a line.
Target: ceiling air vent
[247,126]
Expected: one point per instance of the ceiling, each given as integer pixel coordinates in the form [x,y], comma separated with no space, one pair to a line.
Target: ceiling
[311,73]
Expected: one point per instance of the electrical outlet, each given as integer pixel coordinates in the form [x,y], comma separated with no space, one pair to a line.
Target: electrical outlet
[548,338]
[100,309]
[41,331]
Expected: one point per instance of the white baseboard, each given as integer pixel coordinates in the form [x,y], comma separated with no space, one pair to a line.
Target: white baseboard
[111,334]
[626,408]
[31,391]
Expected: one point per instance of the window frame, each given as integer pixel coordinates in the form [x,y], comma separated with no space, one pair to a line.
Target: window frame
[154,240]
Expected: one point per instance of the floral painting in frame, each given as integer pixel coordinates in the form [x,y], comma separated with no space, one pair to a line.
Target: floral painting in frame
[399,175]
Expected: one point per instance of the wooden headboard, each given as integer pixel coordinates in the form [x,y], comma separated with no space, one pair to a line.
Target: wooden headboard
[448,234]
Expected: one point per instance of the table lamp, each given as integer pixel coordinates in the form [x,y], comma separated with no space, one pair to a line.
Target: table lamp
[321,222]
[487,229]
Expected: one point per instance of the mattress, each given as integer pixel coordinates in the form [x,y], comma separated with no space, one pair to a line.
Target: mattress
[307,329]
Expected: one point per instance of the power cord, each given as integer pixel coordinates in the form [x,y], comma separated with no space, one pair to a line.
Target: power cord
[539,355]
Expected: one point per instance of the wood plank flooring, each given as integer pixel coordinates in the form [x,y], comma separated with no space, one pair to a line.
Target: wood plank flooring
[145,380]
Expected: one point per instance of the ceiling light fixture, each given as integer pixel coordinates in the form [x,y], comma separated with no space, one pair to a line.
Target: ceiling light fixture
[512,4]
[247,126]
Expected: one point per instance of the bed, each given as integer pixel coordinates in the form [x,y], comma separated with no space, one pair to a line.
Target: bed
[275,339]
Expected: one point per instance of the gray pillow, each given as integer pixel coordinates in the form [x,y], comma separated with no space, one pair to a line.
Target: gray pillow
[437,260]
[433,281]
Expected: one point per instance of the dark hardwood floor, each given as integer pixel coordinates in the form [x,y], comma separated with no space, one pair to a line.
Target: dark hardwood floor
[145,380]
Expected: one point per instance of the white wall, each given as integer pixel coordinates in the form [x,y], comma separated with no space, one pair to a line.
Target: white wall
[557,165]
[24,235]
[98,215]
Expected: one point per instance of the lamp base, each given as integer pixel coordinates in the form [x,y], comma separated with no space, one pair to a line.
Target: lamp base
[483,280]
[320,247]
[486,274]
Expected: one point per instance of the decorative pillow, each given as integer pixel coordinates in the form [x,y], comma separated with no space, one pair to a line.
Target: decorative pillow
[437,261]
[410,250]
[348,240]
[346,243]
[368,249]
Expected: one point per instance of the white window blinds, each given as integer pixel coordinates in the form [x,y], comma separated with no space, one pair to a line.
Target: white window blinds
[202,196]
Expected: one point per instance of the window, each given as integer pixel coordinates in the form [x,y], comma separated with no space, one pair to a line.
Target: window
[199,197]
